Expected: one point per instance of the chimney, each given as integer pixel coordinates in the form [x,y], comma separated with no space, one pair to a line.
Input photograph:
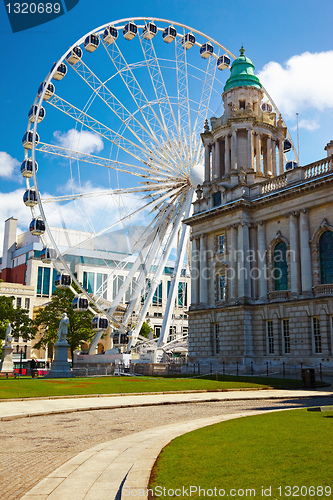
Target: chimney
[9,242]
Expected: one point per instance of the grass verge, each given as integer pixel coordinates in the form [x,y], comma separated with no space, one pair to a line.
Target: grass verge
[28,388]
[276,452]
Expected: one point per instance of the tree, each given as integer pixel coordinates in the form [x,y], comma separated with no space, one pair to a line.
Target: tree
[19,319]
[145,330]
[48,317]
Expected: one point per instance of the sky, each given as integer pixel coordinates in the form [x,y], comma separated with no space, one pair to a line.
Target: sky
[290,44]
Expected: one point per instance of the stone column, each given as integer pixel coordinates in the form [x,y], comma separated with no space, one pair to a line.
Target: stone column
[258,153]
[269,155]
[294,253]
[262,263]
[233,263]
[250,148]
[207,163]
[243,264]
[234,150]
[226,155]
[274,157]
[217,170]
[281,160]
[213,162]
[306,267]
[195,271]
[203,290]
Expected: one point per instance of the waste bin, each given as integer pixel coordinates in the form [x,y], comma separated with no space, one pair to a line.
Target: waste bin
[309,378]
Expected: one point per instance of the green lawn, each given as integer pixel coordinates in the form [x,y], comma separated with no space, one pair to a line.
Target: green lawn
[278,450]
[28,387]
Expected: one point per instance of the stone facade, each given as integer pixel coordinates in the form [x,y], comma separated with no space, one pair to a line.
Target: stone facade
[258,290]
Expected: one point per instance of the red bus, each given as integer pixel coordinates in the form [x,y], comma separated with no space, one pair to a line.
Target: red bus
[25,365]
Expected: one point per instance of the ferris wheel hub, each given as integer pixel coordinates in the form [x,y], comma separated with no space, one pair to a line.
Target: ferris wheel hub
[196,175]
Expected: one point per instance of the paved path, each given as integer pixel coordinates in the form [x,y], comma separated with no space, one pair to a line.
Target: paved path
[28,408]
[33,448]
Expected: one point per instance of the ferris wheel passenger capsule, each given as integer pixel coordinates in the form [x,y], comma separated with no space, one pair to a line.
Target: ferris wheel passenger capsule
[60,71]
[188,41]
[223,62]
[206,50]
[99,323]
[266,107]
[33,111]
[80,303]
[130,30]
[27,168]
[48,92]
[30,198]
[149,31]
[169,34]
[290,165]
[110,35]
[47,255]
[91,42]
[286,146]
[62,281]
[74,55]
[27,139]
[37,226]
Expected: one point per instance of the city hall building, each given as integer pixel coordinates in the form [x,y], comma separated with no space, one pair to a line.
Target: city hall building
[262,240]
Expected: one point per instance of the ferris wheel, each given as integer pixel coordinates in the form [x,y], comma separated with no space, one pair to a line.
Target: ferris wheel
[119,153]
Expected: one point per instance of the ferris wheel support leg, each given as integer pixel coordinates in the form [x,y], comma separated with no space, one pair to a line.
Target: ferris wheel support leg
[94,342]
[155,282]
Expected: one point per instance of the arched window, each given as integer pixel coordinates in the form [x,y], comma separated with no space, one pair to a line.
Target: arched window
[280,266]
[326,257]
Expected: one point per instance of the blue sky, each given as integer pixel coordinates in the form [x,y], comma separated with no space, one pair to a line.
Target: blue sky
[290,44]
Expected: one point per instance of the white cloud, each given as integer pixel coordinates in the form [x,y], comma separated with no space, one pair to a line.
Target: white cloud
[8,165]
[304,82]
[84,141]
[307,125]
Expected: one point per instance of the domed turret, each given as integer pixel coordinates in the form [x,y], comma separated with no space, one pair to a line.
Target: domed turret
[242,73]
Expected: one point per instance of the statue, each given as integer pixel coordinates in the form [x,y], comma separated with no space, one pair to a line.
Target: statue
[63,328]
[8,337]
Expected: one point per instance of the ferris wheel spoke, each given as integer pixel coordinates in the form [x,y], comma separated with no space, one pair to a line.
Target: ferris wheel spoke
[118,166]
[184,113]
[114,104]
[202,111]
[103,131]
[143,104]
[166,110]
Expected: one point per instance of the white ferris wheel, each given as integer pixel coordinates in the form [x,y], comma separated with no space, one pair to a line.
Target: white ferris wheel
[120,151]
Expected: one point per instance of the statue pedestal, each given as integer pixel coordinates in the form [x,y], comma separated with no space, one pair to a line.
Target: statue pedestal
[6,364]
[60,367]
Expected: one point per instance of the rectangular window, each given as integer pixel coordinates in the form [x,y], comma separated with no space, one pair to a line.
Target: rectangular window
[18,302]
[216,338]
[217,199]
[88,281]
[101,285]
[286,336]
[222,287]
[316,335]
[157,298]
[182,294]
[221,243]
[39,281]
[172,333]
[46,281]
[270,337]
[27,304]
[157,330]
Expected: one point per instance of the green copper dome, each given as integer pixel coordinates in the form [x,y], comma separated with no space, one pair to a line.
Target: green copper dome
[242,73]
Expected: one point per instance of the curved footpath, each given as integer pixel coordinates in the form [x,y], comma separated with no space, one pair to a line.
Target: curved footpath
[121,468]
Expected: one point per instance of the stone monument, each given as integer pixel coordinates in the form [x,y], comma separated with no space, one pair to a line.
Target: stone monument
[60,367]
[6,364]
